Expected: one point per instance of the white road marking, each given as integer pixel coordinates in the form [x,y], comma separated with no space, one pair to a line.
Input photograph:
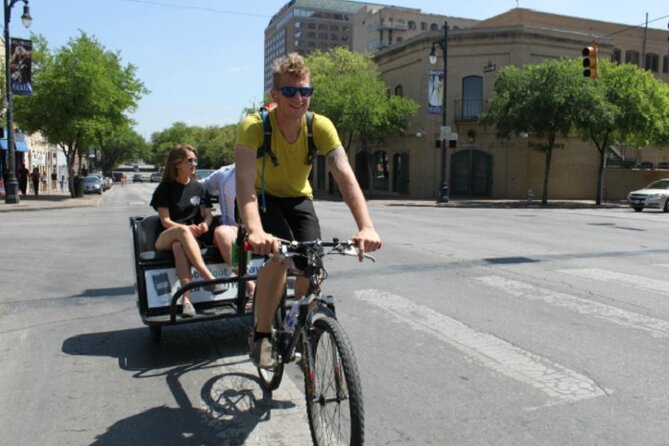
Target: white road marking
[561,384]
[627,279]
[656,327]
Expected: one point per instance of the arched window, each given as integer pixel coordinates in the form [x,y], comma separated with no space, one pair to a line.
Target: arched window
[412,24]
[434,27]
[399,91]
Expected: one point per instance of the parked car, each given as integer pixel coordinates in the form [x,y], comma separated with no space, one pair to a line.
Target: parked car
[655,196]
[201,174]
[137,178]
[107,183]
[92,185]
[155,177]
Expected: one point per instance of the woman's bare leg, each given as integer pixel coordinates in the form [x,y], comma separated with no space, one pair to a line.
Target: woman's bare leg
[189,244]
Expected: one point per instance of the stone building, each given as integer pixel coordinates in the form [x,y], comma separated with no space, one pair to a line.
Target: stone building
[481,165]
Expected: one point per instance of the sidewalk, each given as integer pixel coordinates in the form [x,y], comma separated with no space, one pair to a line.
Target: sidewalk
[501,204]
[61,200]
[50,200]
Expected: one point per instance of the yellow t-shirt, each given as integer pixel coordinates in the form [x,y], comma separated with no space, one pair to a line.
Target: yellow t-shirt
[290,178]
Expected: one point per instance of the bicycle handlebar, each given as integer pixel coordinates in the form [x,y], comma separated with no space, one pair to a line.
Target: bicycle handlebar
[342,247]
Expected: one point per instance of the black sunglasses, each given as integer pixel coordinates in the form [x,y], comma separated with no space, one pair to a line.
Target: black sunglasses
[290,92]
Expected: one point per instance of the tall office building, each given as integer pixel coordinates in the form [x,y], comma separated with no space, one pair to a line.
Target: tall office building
[306,25]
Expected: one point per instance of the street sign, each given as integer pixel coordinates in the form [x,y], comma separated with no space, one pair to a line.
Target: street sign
[445,132]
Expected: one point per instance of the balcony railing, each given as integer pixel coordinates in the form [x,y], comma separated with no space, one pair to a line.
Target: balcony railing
[468,110]
[389,25]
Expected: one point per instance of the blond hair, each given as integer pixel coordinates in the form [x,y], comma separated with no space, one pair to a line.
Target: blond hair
[291,64]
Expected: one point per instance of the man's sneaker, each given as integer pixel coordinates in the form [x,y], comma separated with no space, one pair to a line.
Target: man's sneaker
[261,354]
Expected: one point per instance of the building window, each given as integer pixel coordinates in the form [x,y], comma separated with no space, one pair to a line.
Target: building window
[665,64]
[381,173]
[616,55]
[632,57]
[423,26]
[361,172]
[652,62]
[401,173]
[412,25]
[399,91]
[472,97]
[434,27]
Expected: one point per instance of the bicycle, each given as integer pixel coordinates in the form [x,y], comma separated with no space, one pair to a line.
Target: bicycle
[331,381]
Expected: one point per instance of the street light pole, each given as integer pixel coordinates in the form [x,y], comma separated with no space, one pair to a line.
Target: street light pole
[443,190]
[12,187]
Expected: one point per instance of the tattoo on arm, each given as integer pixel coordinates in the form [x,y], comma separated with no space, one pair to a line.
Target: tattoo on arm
[337,158]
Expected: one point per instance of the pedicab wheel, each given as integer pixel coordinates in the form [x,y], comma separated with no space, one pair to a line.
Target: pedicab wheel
[156,332]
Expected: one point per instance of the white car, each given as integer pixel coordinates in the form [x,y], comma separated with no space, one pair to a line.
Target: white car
[653,196]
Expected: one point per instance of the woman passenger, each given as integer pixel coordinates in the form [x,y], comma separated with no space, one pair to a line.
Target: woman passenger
[185,213]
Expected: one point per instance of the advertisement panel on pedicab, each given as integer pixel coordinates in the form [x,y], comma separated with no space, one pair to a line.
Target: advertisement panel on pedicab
[161,284]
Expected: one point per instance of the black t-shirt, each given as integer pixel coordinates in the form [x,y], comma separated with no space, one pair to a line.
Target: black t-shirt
[182,200]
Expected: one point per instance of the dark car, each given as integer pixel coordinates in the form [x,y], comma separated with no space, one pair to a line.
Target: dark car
[93,185]
[137,178]
[156,178]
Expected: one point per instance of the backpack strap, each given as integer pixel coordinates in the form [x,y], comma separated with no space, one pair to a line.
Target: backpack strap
[266,146]
[310,139]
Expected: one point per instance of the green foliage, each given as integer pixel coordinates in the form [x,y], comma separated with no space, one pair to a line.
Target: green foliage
[123,146]
[81,95]
[214,144]
[349,90]
[546,100]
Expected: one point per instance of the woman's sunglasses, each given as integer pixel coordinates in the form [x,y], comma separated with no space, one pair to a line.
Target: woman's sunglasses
[290,92]
[192,161]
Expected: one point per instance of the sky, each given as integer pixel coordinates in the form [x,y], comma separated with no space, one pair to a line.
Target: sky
[199,71]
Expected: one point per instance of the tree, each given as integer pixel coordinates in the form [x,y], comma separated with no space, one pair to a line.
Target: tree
[162,142]
[627,105]
[349,91]
[81,96]
[124,145]
[545,100]
[215,145]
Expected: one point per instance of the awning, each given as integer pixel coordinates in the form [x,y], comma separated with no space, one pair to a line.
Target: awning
[20,146]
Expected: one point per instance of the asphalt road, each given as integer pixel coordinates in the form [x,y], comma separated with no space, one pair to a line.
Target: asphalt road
[475,326]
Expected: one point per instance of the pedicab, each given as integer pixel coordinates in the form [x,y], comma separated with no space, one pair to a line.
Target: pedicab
[159,291]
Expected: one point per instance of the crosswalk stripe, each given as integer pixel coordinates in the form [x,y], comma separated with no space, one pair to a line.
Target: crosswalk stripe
[561,384]
[629,279]
[656,327]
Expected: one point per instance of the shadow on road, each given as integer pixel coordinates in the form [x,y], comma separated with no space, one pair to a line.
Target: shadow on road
[229,405]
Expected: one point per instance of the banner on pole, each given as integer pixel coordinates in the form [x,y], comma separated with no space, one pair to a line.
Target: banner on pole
[20,67]
[435,94]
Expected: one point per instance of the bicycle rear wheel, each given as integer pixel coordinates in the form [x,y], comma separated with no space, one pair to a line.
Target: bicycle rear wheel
[332,387]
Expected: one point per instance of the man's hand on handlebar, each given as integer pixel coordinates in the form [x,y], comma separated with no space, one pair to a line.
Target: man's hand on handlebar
[262,243]
[367,240]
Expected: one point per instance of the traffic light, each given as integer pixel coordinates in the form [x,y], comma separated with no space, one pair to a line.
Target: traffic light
[590,61]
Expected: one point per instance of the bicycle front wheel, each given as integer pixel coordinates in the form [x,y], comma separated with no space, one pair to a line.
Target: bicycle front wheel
[332,387]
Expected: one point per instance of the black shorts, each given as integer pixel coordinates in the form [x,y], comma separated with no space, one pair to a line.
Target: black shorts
[208,237]
[291,218]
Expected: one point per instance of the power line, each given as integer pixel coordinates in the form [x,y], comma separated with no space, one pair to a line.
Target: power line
[637,26]
[199,8]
